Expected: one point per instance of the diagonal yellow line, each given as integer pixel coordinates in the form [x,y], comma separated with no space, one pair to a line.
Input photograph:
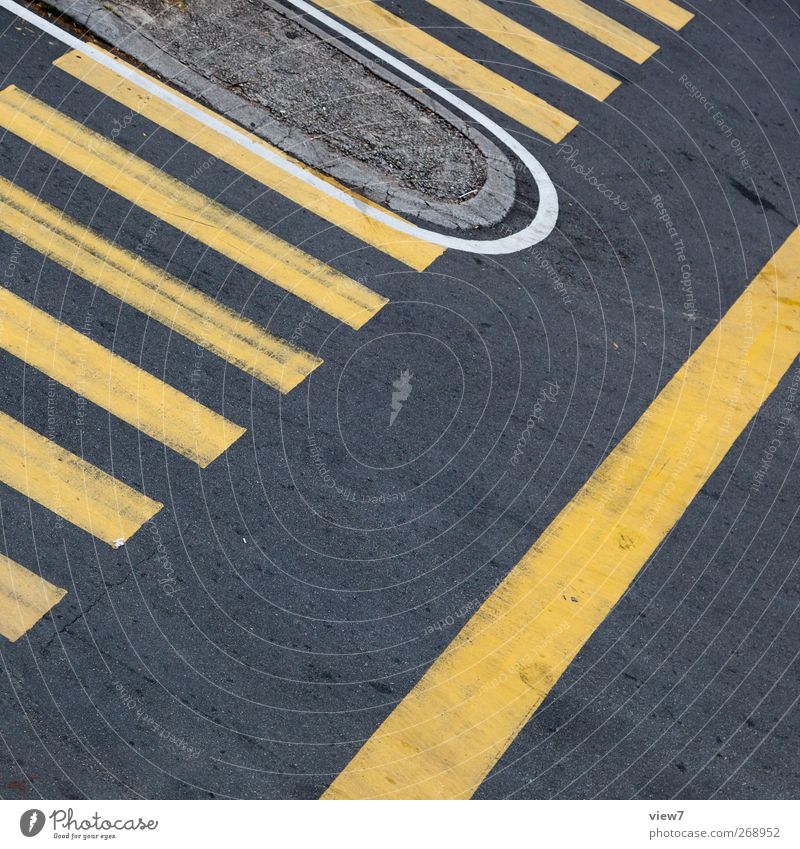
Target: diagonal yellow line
[186,209]
[601,28]
[24,598]
[414,252]
[105,379]
[446,735]
[430,53]
[665,11]
[69,486]
[157,294]
[550,57]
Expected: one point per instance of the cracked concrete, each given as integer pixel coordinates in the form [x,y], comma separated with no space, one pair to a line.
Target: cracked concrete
[84,610]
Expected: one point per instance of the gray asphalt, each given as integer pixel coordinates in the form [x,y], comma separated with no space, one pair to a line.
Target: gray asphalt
[247,641]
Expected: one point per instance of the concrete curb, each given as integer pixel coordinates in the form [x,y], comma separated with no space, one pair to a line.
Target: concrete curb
[487,207]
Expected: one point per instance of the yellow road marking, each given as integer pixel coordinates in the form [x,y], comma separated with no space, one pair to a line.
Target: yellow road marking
[520,40]
[425,50]
[151,290]
[113,383]
[415,253]
[663,10]
[69,486]
[24,598]
[443,739]
[186,209]
[600,27]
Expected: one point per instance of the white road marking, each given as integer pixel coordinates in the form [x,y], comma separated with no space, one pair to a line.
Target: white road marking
[540,228]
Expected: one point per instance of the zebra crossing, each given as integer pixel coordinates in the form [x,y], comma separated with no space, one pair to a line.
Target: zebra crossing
[186,209]
[416,253]
[65,484]
[524,107]
[153,291]
[87,496]
[601,28]
[24,598]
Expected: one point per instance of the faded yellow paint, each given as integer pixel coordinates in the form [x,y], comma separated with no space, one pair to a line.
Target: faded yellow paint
[430,53]
[668,13]
[69,486]
[186,209]
[600,27]
[157,294]
[24,598]
[519,39]
[445,736]
[416,253]
[113,383]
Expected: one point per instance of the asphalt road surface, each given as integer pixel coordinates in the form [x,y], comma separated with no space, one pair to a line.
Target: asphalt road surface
[251,636]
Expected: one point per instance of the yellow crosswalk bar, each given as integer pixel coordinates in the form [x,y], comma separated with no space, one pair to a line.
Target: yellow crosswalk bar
[105,379]
[601,28]
[24,598]
[550,57]
[446,735]
[152,291]
[430,53]
[415,253]
[666,12]
[186,209]
[70,487]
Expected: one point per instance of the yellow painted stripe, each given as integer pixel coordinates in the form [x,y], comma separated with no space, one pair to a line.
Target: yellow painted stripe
[425,50]
[24,598]
[600,27]
[113,383]
[69,486]
[186,209]
[668,13]
[151,290]
[507,32]
[415,253]
[446,735]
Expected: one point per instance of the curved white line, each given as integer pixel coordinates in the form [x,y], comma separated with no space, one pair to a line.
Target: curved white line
[546,215]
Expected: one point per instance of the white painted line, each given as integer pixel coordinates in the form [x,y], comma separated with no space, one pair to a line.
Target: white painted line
[539,229]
